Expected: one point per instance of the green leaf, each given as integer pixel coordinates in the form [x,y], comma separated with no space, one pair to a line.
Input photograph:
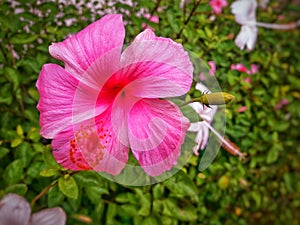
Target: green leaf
[172,209]
[13,76]
[223,182]
[49,159]
[55,197]
[75,203]
[272,155]
[144,202]
[288,182]
[68,186]
[14,172]
[20,131]
[34,93]
[130,209]
[126,197]
[19,189]
[49,172]
[33,134]
[6,95]
[35,169]
[111,213]
[181,185]
[94,193]
[150,221]
[3,152]
[94,185]
[23,38]
[25,153]
[16,142]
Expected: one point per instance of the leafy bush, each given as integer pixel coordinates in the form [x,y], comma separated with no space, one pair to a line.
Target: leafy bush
[263,189]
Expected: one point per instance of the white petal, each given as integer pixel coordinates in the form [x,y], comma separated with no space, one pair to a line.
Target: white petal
[246,37]
[207,114]
[52,216]
[244,11]
[15,210]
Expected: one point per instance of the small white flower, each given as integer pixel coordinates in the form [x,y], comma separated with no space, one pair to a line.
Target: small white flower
[245,15]
[246,37]
[207,114]
[15,210]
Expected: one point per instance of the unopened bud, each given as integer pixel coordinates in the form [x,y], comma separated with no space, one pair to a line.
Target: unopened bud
[217,98]
[83,218]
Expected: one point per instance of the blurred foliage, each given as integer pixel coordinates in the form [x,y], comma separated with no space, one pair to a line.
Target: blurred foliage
[264,189]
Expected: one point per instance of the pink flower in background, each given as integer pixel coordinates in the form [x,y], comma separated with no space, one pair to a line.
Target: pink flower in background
[281,103]
[212,68]
[248,80]
[242,109]
[211,71]
[217,5]
[281,17]
[242,68]
[15,210]
[230,36]
[154,19]
[105,101]
[254,68]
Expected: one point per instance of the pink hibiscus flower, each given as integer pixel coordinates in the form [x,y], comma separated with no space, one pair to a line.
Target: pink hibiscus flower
[105,101]
[242,68]
[211,71]
[217,5]
[242,109]
[281,104]
[153,19]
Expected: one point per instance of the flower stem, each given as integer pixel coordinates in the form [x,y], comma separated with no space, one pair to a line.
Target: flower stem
[190,101]
[224,142]
[287,26]
[44,191]
[188,19]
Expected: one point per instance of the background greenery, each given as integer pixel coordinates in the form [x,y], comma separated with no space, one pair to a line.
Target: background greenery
[264,189]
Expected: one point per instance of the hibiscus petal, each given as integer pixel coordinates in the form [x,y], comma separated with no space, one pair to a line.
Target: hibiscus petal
[64,100]
[159,66]
[100,144]
[52,216]
[14,209]
[57,88]
[91,144]
[81,50]
[66,152]
[156,131]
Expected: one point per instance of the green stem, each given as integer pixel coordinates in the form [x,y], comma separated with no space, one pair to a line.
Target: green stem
[191,101]
[155,8]
[188,19]
[43,192]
